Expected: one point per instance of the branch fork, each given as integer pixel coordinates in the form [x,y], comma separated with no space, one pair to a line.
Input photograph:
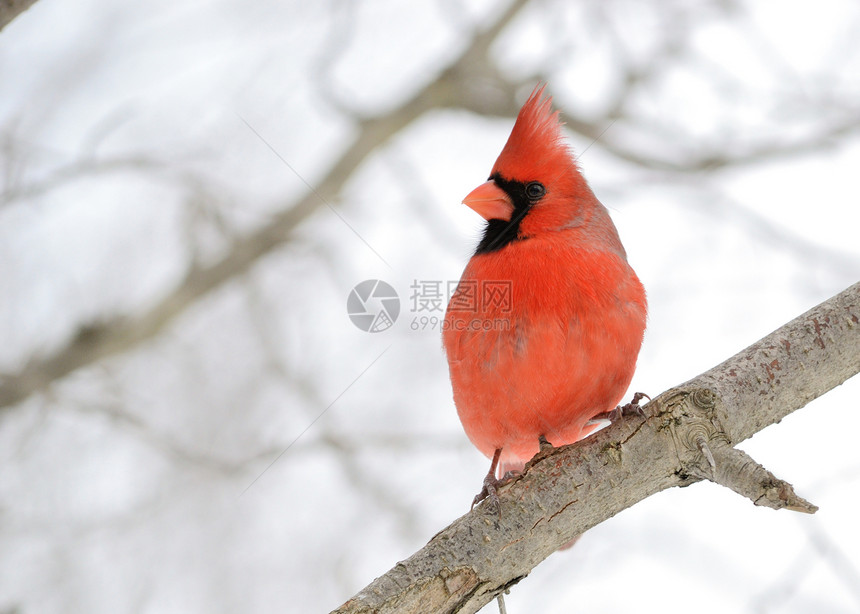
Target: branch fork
[691,416]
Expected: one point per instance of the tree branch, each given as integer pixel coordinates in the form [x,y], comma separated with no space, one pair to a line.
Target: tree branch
[688,435]
[472,81]
[10,9]
[100,340]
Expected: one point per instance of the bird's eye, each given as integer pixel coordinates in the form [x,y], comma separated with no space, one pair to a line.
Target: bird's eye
[535,190]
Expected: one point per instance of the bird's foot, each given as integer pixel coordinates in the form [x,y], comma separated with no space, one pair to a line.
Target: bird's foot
[546,448]
[489,493]
[545,445]
[631,408]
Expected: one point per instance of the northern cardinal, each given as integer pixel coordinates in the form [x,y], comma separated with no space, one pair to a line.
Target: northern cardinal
[544,328]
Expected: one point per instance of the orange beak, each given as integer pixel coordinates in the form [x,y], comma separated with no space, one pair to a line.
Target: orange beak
[490,202]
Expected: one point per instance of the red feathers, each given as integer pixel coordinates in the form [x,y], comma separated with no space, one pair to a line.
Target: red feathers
[562,345]
[536,145]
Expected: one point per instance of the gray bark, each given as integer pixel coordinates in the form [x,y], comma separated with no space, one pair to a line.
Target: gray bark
[687,435]
[10,9]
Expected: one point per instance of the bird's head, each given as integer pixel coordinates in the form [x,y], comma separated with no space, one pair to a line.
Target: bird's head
[535,185]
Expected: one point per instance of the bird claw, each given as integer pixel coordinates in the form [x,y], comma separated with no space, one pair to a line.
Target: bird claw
[491,484]
[489,493]
[631,408]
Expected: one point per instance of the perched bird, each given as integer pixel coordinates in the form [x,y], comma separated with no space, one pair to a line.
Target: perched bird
[544,328]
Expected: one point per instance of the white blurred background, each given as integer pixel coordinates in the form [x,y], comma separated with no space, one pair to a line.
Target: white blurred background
[189,421]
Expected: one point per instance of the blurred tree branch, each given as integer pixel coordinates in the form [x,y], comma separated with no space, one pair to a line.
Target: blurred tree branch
[10,9]
[168,328]
[689,435]
[97,341]
[472,81]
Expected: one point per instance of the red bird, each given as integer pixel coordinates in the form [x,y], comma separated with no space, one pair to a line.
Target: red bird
[543,331]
